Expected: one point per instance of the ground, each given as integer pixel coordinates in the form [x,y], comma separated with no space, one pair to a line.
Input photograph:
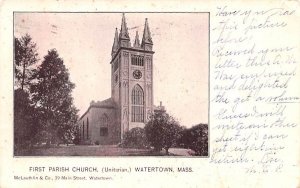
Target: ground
[104,150]
[181,151]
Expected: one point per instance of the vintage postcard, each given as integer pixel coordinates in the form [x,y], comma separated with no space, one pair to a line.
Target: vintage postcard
[169,94]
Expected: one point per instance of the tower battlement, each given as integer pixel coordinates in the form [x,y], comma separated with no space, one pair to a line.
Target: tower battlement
[122,38]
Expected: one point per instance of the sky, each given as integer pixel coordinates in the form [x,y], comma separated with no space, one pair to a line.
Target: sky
[84,41]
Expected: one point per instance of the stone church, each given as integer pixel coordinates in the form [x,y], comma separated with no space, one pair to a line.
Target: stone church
[131,102]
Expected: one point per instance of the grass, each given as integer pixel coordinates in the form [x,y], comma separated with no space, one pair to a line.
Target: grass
[84,150]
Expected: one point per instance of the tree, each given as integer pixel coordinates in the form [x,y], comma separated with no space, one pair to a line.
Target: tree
[24,121]
[51,93]
[25,115]
[196,138]
[25,57]
[162,131]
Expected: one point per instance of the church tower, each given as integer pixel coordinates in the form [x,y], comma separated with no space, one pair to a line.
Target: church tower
[132,77]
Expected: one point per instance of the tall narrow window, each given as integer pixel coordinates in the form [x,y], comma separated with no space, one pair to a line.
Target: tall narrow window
[79,131]
[83,130]
[137,101]
[104,121]
[87,128]
[148,62]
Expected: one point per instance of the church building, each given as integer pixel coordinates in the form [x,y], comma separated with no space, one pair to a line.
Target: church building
[131,102]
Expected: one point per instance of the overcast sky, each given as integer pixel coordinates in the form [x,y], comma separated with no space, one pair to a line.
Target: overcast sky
[84,42]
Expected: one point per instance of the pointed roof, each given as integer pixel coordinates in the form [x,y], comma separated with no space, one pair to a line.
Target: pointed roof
[147,35]
[124,30]
[136,40]
[116,42]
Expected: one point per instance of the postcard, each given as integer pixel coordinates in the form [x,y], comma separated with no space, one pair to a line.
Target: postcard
[148,94]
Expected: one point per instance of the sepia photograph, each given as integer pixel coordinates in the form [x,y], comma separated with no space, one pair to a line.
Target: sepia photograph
[111,84]
[149,94]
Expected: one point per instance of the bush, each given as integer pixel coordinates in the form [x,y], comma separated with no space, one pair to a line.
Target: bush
[195,138]
[76,140]
[135,138]
[97,142]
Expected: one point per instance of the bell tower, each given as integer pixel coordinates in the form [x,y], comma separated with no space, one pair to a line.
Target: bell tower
[132,77]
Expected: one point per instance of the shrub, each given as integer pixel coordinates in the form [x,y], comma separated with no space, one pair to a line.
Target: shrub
[97,142]
[76,140]
[135,138]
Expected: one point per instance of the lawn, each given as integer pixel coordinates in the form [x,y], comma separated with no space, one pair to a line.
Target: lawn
[99,150]
[85,150]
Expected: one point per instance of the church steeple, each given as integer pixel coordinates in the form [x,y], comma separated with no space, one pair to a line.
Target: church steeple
[136,40]
[116,43]
[124,38]
[147,40]
[131,77]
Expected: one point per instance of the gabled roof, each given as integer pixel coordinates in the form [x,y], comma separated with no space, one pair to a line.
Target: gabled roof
[107,103]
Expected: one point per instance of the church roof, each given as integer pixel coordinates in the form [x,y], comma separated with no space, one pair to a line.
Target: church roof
[107,103]
[159,108]
[124,30]
[147,35]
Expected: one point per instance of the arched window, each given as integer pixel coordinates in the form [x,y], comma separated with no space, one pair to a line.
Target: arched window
[104,121]
[137,101]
